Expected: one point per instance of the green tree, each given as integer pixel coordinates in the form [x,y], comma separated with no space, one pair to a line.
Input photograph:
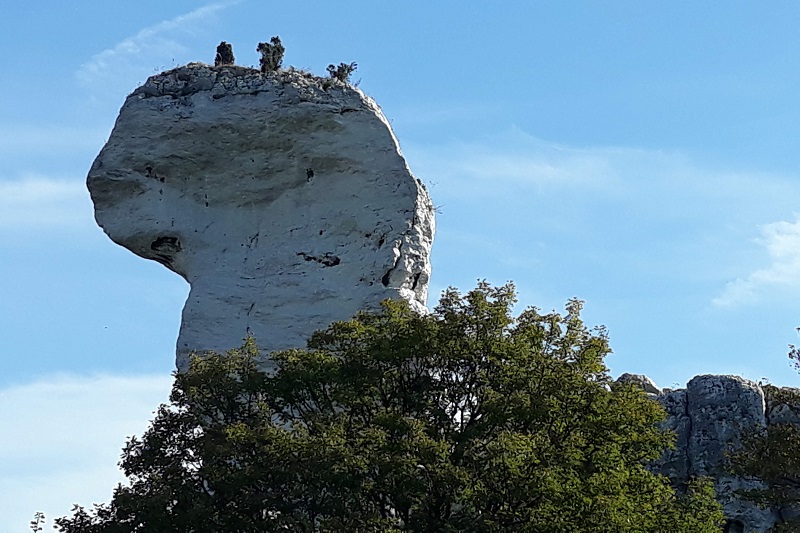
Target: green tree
[466,419]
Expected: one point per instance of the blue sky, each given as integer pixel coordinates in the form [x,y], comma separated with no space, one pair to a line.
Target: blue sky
[640,156]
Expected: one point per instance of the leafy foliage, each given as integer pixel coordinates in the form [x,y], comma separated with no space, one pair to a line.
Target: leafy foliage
[271,54]
[342,72]
[38,522]
[466,419]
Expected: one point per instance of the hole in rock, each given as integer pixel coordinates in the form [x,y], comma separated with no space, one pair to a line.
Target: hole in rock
[733,526]
[327,259]
[166,244]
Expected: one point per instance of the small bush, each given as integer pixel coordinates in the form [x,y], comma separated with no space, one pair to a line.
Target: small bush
[271,54]
[224,55]
[342,72]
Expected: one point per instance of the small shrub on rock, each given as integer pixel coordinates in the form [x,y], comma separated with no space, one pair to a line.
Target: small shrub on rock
[342,72]
[271,54]
[224,55]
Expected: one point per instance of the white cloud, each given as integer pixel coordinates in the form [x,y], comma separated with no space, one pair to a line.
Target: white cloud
[62,438]
[151,48]
[782,243]
[37,202]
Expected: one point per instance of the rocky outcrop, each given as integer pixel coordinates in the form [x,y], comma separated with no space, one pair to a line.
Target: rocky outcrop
[282,198]
[709,417]
[641,381]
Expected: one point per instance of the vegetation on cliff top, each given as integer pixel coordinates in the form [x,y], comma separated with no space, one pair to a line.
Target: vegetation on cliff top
[271,60]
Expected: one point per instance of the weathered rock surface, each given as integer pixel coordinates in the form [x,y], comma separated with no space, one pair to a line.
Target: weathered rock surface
[641,381]
[283,199]
[709,417]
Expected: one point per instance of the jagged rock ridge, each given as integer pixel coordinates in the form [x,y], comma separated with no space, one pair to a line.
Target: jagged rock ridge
[282,198]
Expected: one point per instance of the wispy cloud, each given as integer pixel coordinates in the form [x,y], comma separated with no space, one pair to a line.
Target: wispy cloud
[37,202]
[157,46]
[654,184]
[62,437]
[781,241]
[642,221]
[512,160]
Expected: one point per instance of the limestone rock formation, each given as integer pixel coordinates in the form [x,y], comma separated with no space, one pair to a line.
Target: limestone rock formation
[709,417]
[641,381]
[282,198]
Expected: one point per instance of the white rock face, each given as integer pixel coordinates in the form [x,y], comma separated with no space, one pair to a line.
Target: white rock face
[283,200]
[641,381]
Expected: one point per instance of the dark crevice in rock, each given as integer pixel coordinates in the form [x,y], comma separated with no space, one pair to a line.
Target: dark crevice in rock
[326,260]
[388,274]
[166,245]
[733,526]
[381,239]
[149,172]
[415,280]
[685,445]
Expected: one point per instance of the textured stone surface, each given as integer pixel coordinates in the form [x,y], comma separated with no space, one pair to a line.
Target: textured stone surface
[283,200]
[709,417]
[641,381]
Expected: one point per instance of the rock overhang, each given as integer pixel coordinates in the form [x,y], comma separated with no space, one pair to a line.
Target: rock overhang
[282,198]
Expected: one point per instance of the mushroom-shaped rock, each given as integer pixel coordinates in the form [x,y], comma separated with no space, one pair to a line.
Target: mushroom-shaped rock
[283,200]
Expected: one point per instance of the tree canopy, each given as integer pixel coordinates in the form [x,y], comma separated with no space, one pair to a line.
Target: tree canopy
[465,419]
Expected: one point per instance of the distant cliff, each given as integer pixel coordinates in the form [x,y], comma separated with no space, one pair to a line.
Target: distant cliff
[709,417]
[282,198]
